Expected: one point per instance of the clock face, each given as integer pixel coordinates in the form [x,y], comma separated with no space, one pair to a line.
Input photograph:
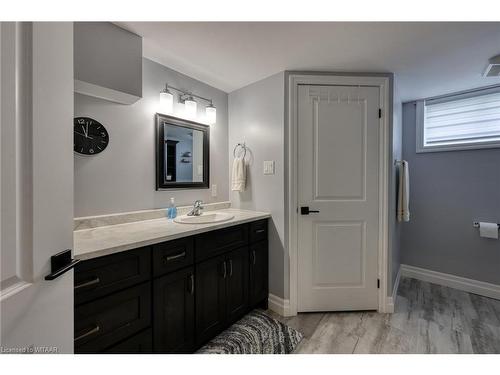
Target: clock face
[90,136]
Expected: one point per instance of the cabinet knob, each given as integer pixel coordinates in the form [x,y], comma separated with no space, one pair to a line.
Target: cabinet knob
[92,282]
[174,257]
[191,280]
[88,333]
[224,270]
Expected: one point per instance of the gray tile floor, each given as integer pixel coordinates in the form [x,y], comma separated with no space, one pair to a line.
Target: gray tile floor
[428,318]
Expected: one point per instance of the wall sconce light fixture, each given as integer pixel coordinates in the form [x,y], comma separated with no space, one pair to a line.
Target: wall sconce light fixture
[190,104]
[166,101]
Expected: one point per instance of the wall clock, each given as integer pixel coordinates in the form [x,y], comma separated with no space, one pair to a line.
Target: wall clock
[90,136]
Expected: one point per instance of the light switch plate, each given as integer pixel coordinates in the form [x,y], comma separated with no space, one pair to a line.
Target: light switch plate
[214,190]
[268,166]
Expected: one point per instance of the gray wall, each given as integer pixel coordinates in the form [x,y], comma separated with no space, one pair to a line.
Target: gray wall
[122,178]
[394,225]
[256,116]
[448,190]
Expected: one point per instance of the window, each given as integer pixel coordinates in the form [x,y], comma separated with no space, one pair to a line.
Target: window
[459,122]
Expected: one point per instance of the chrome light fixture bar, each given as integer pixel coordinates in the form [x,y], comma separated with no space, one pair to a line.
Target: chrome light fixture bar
[190,104]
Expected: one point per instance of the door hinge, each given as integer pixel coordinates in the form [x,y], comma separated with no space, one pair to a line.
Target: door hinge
[378,283]
[380,113]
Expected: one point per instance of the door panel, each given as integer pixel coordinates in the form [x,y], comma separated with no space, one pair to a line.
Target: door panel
[258,272]
[173,310]
[37,184]
[338,146]
[237,284]
[210,298]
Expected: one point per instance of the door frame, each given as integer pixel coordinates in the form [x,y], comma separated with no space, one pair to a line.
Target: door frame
[384,82]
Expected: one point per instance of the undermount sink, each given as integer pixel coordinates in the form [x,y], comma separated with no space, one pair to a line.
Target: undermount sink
[205,218]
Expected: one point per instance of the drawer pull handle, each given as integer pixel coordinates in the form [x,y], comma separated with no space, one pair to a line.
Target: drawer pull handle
[88,333]
[88,283]
[260,231]
[230,268]
[174,257]
[225,270]
[254,257]
[191,278]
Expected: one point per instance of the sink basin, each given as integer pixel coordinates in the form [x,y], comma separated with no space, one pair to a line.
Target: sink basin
[206,218]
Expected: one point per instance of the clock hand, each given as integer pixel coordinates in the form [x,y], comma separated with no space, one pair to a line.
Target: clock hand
[86,136]
[84,132]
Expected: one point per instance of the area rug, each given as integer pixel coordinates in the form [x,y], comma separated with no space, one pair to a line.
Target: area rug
[255,333]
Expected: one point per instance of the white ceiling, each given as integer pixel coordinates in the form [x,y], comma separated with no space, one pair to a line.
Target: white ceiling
[428,58]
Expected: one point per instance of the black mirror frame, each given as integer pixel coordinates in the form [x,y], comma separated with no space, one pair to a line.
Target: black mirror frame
[160,153]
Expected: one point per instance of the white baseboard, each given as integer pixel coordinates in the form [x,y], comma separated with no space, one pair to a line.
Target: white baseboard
[390,302]
[452,281]
[279,305]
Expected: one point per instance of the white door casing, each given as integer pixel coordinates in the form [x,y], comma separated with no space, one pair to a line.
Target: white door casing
[338,149]
[36,185]
[324,232]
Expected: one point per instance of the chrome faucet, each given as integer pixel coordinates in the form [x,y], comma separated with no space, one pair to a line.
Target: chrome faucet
[197,207]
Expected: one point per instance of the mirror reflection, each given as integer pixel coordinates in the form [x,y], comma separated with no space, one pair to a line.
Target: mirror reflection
[183,154]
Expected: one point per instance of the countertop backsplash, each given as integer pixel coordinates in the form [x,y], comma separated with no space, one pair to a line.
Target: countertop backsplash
[90,222]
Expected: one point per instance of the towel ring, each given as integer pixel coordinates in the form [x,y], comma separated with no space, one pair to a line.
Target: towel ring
[243,146]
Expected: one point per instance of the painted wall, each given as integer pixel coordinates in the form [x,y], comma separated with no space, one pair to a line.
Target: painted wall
[256,116]
[394,225]
[448,191]
[122,178]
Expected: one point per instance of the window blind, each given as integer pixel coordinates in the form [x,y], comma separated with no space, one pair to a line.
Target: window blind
[470,119]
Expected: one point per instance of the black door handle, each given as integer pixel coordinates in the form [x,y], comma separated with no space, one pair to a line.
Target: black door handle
[306,211]
[61,263]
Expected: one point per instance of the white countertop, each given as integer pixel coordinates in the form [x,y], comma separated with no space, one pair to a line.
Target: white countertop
[105,240]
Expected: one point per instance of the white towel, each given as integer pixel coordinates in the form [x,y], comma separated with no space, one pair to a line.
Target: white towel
[239,176]
[403,208]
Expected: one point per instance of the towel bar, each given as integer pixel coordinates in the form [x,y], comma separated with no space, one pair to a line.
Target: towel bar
[243,146]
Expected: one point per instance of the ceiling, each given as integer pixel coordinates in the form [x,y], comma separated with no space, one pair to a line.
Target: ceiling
[428,59]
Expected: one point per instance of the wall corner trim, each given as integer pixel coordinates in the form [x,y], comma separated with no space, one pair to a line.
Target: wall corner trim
[279,305]
[115,96]
[390,302]
[457,282]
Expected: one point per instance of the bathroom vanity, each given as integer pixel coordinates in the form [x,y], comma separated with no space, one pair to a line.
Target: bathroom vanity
[167,291]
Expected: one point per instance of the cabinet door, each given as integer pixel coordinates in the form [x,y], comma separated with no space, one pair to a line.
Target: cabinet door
[210,298]
[237,284]
[258,273]
[174,312]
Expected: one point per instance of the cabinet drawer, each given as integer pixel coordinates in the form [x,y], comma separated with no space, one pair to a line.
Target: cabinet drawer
[106,321]
[216,242]
[138,343]
[173,255]
[98,277]
[258,231]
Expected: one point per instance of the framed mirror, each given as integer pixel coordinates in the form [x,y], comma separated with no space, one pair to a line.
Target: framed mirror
[182,153]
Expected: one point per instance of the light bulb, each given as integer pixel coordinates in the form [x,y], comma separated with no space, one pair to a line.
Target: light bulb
[211,113]
[190,108]
[166,102]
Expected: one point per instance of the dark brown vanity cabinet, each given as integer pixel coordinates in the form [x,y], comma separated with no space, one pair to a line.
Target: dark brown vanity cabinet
[171,297]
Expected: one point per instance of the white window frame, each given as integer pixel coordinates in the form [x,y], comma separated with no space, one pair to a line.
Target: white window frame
[420,118]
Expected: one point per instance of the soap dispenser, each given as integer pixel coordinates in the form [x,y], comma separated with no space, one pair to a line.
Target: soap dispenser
[172,210]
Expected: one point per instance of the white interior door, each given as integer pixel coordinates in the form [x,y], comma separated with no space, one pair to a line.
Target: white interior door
[338,174]
[36,185]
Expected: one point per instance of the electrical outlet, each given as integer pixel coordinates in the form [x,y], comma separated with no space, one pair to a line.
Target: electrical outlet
[214,190]
[269,167]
